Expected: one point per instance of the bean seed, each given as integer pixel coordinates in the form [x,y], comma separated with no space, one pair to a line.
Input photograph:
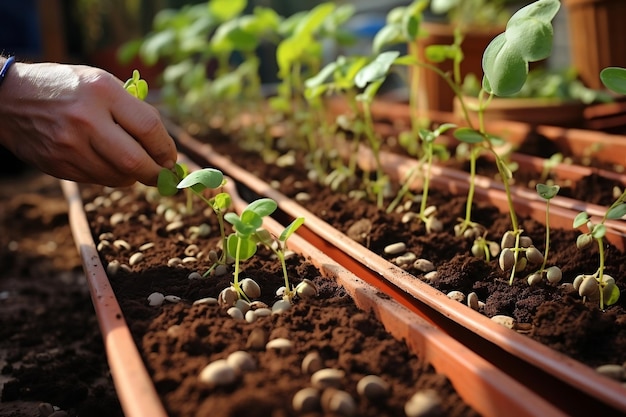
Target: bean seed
[194,275]
[146,246]
[395,248]
[508,240]
[189,260]
[235,313]
[405,259]
[156,299]
[472,301]
[192,250]
[221,270]
[430,211]
[241,361]
[113,267]
[174,262]
[306,400]
[409,217]
[121,244]
[431,276]
[302,197]
[312,363]
[250,316]
[433,224]
[242,305]
[426,403]
[263,312]
[102,245]
[506,259]
[424,265]
[281,306]
[534,256]
[227,297]
[554,274]
[372,387]
[306,289]
[106,236]
[251,288]
[525,242]
[135,258]
[206,300]
[218,373]
[174,226]
[258,304]
[613,371]
[116,218]
[281,345]
[534,278]
[339,402]
[172,298]
[506,321]
[327,377]
[589,287]
[457,296]
[213,256]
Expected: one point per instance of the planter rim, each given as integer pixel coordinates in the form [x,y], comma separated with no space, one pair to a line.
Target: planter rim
[569,371]
[479,383]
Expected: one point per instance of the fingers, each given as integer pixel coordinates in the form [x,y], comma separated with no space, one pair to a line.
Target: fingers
[142,122]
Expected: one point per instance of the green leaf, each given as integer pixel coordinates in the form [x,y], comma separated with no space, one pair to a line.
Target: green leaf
[439,53]
[504,67]
[377,69]
[262,207]
[321,76]
[222,201]
[247,247]
[289,230]
[614,78]
[226,9]
[202,179]
[314,19]
[468,135]
[387,35]
[615,293]
[547,191]
[166,182]
[617,212]
[580,219]
[598,231]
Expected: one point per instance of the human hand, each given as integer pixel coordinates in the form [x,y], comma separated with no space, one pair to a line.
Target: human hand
[77,122]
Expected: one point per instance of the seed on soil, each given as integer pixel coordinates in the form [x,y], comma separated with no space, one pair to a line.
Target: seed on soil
[192,250]
[174,226]
[189,260]
[506,321]
[135,258]
[206,300]
[280,306]
[242,305]
[430,211]
[227,297]
[395,248]
[250,316]
[116,219]
[508,240]
[327,378]
[281,345]
[360,230]
[338,402]
[525,241]
[534,278]
[433,224]
[456,296]
[258,304]
[156,299]
[262,312]
[172,298]
[472,301]
[409,217]
[425,403]
[113,267]
[534,255]
[194,275]
[146,246]
[306,400]
[613,371]
[201,230]
[241,361]
[218,373]
[213,257]
[431,276]
[312,363]
[589,287]
[506,259]
[102,245]
[554,274]
[257,339]
[302,197]
[120,244]
[251,288]
[106,236]
[306,289]
[424,265]
[372,387]
[174,262]
[406,259]
[235,313]
[221,270]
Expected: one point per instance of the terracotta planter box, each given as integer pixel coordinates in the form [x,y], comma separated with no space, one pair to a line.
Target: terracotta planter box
[571,385]
[481,385]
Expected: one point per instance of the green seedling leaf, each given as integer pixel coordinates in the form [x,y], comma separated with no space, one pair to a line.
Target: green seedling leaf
[617,212]
[598,231]
[504,67]
[136,86]
[547,191]
[202,179]
[377,69]
[440,53]
[314,19]
[222,201]
[289,230]
[407,60]
[581,219]
[615,293]
[614,78]
[245,225]
[226,9]
[247,247]
[167,181]
[468,135]
[388,35]
[261,207]
[322,76]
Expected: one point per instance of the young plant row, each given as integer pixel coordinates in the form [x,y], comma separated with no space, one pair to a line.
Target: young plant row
[305,82]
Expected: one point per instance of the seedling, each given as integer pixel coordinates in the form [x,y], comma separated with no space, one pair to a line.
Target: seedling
[279,247]
[137,86]
[242,244]
[553,273]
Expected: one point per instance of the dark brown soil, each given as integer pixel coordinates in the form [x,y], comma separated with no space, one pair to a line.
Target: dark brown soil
[50,346]
[177,340]
[557,316]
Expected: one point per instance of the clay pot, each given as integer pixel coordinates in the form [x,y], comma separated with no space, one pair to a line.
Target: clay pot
[479,383]
[569,384]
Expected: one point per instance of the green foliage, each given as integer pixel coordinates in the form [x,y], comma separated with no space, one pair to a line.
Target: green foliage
[614,78]
[527,38]
[137,86]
